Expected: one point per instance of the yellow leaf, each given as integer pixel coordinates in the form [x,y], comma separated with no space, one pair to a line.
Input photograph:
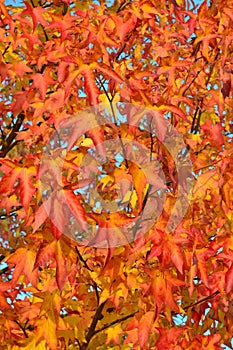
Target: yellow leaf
[134,198]
[127,197]
[104,99]
[47,330]
[113,334]
[104,296]
[86,142]
[41,346]
[106,179]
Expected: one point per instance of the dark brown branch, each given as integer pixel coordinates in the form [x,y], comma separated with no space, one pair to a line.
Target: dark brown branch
[6,49]
[119,320]
[123,5]
[201,300]
[120,52]
[151,140]
[13,212]
[78,343]
[7,145]
[4,270]
[192,81]
[22,328]
[82,260]
[91,332]
[96,292]
[94,285]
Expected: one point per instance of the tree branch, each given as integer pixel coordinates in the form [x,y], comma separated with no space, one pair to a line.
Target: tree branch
[123,5]
[94,322]
[119,320]
[22,328]
[94,285]
[82,260]
[7,144]
[201,300]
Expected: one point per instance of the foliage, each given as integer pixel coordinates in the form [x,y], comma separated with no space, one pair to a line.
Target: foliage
[163,290]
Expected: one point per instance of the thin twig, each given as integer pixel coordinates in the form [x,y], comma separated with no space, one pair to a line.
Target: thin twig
[22,328]
[81,259]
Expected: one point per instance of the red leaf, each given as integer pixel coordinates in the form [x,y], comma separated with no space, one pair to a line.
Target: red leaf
[76,207]
[97,135]
[42,81]
[45,254]
[90,85]
[42,214]
[26,187]
[21,68]
[36,14]
[55,231]
[109,72]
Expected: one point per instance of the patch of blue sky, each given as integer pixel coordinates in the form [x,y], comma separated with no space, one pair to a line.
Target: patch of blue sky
[14,2]
[109,3]
[81,93]
[119,159]
[225,347]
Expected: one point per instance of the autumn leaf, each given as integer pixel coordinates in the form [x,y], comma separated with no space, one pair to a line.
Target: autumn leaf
[61,272]
[75,205]
[139,182]
[23,261]
[42,81]
[113,334]
[145,327]
[81,265]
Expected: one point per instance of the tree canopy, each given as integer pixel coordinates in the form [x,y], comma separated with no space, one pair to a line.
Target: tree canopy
[116,194]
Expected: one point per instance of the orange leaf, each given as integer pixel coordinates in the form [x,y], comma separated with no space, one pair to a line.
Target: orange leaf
[24,260]
[26,187]
[90,84]
[144,328]
[61,271]
[139,182]
[229,279]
